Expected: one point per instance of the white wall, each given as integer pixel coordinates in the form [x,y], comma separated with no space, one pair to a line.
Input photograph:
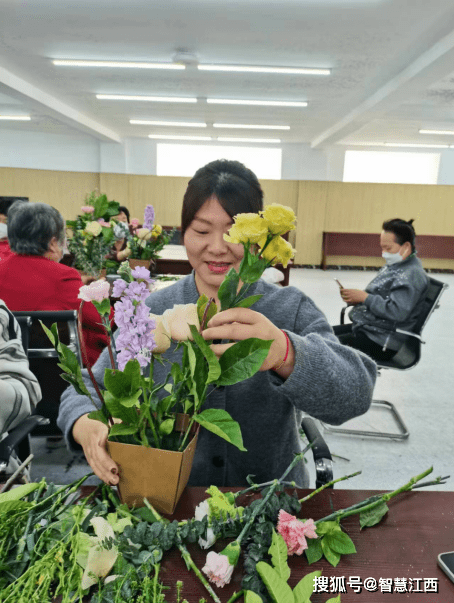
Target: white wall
[446,171]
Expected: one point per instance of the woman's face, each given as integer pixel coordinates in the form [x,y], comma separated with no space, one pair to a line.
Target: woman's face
[389,244]
[208,253]
[121,217]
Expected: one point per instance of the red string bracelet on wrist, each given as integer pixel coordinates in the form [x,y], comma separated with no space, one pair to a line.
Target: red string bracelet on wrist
[276,368]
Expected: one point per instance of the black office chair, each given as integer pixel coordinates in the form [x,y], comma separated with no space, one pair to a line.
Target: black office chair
[322,456]
[18,438]
[406,358]
[43,359]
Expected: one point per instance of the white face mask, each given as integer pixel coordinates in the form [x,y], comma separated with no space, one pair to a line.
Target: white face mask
[392,258]
[3,230]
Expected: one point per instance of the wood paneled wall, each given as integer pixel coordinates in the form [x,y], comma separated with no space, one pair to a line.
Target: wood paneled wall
[319,205]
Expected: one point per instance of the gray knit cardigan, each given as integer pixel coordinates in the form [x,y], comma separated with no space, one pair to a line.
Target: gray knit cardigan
[330,382]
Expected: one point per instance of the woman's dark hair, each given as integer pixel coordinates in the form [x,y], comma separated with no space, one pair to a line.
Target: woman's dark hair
[235,186]
[32,226]
[125,210]
[402,230]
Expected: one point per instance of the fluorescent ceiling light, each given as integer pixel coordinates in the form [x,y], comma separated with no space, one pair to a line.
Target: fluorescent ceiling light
[152,99]
[448,132]
[417,146]
[182,124]
[16,117]
[258,103]
[116,64]
[251,127]
[272,140]
[257,69]
[169,137]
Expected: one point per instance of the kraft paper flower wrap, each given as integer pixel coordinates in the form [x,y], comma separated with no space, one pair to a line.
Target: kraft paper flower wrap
[149,418]
[92,234]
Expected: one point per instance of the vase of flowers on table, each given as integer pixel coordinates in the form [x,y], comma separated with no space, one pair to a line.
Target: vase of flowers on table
[147,241]
[153,427]
[92,234]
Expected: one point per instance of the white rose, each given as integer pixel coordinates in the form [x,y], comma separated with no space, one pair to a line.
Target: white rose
[161,335]
[144,233]
[200,511]
[178,319]
[93,228]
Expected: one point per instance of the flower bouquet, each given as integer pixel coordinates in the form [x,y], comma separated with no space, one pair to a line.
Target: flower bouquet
[147,418]
[146,242]
[92,234]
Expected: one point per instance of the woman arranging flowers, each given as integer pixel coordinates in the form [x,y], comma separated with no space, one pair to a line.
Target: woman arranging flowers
[306,369]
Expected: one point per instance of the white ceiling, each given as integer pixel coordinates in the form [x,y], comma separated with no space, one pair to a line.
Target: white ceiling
[392,66]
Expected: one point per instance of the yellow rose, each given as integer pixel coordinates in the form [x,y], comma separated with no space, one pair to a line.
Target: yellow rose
[279,251]
[279,217]
[248,228]
[144,234]
[177,320]
[161,335]
[157,228]
[93,228]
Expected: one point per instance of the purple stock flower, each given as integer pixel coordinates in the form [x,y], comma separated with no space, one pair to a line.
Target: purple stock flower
[141,273]
[148,219]
[118,287]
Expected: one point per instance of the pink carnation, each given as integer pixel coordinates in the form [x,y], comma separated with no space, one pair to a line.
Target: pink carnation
[294,532]
[96,291]
[103,223]
[134,222]
[87,209]
[218,569]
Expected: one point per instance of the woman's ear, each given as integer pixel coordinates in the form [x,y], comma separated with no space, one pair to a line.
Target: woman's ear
[406,249]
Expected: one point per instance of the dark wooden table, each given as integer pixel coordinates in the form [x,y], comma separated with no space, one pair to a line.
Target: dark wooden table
[404,545]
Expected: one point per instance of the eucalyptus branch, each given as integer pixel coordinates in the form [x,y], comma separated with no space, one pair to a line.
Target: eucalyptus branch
[374,501]
[335,481]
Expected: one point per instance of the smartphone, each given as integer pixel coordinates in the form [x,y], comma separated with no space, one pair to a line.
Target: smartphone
[341,286]
[446,562]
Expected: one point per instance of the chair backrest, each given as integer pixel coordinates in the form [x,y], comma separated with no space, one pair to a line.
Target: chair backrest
[409,353]
[43,360]
[430,304]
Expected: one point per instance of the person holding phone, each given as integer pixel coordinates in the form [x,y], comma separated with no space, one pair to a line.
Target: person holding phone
[392,299]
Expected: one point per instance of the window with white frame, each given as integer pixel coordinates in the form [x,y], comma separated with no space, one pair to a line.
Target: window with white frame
[186,159]
[391,167]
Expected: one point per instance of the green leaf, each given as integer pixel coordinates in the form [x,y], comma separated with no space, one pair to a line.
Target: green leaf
[314,551]
[279,556]
[19,492]
[132,400]
[252,272]
[278,588]
[166,426]
[202,303]
[13,505]
[242,360]
[340,542]
[373,516]
[325,527]
[219,421]
[128,416]
[119,429]
[122,384]
[305,587]
[214,368]
[229,287]
[103,307]
[334,599]
[330,555]
[99,415]
[248,301]
[252,597]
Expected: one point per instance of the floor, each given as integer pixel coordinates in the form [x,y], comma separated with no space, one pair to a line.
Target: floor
[423,396]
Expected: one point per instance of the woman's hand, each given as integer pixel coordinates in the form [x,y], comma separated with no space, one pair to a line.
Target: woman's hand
[353,296]
[242,323]
[92,436]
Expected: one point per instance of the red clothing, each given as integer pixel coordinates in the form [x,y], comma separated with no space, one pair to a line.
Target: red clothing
[33,282]
[5,250]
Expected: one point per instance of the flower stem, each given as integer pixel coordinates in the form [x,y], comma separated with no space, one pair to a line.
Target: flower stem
[205,314]
[335,481]
[374,501]
[185,554]
[236,596]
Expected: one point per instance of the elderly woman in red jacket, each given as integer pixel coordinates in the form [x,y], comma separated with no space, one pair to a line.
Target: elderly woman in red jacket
[32,278]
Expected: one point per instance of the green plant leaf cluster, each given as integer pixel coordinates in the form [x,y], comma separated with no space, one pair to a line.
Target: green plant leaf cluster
[331,543]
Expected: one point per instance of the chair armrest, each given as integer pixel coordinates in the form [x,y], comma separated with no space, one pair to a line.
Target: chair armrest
[17,434]
[322,455]
[410,334]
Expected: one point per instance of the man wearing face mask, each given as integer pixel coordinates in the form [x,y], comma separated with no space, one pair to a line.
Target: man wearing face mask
[392,299]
